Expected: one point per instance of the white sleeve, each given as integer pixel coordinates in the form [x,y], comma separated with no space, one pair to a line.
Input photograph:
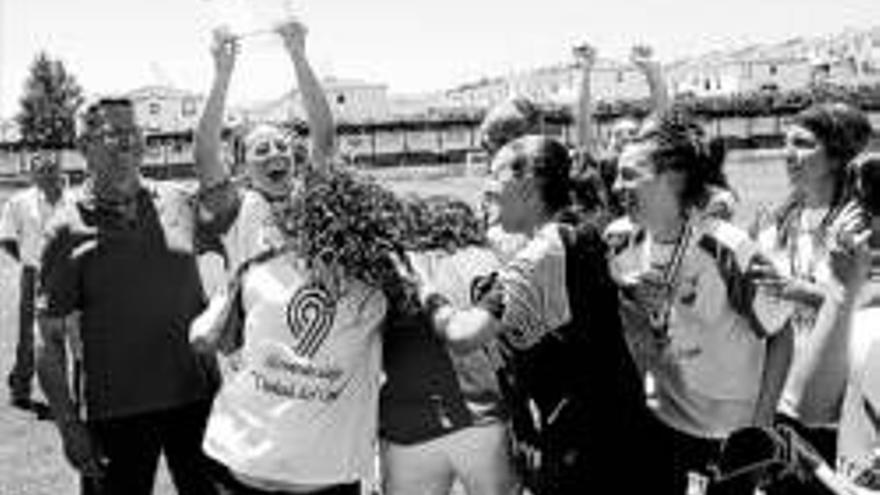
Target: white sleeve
[9,225]
[534,292]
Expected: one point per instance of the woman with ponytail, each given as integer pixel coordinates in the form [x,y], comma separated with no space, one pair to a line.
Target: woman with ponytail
[697,318]
[567,377]
[817,215]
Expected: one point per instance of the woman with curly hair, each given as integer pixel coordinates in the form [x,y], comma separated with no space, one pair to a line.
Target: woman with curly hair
[272,158]
[442,418]
[299,415]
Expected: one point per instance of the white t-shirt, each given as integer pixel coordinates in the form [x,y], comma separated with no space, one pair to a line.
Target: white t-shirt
[253,231]
[805,258]
[708,371]
[505,244]
[535,294]
[24,219]
[858,444]
[453,275]
[302,410]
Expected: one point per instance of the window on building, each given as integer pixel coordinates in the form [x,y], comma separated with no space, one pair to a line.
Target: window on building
[773,70]
[340,99]
[619,76]
[154,108]
[189,107]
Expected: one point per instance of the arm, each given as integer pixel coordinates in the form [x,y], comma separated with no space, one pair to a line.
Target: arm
[9,230]
[777,360]
[210,168]
[321,127]
[826,368]
[466,329]
[79,448]
[585,57]
[52,368]
[642,57]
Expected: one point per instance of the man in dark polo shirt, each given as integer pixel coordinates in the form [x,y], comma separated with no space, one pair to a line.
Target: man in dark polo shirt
[119,275]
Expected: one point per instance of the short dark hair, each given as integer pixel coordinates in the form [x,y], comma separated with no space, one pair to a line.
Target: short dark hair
[549,163]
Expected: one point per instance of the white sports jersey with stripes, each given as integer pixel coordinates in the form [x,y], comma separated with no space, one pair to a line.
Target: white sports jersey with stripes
[708,365]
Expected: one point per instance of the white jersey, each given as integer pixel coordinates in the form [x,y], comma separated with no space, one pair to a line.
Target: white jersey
[302,410]
[708,370]
[252,232]
[858,445]
[24,219]
[807,258]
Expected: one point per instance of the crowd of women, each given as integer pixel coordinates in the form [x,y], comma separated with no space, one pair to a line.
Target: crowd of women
[598,324]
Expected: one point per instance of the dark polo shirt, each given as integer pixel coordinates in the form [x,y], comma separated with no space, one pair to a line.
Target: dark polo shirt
[135,281]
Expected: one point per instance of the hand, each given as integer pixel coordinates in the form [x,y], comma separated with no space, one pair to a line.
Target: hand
[206,330]
[81,450]
[850,259]
[293,33]
[225,50]
[584,55]
[642,56]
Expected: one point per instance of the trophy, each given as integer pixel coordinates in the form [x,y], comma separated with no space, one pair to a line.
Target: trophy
[251,21]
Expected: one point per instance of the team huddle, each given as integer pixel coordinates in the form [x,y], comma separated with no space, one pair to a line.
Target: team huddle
[597,323]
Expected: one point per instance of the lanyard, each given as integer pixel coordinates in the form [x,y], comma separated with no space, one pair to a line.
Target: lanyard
[670,277]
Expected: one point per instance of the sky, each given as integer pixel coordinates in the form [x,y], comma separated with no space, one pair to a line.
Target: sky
[113,46]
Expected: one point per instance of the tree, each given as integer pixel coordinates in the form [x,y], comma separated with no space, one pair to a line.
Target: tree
[48,108]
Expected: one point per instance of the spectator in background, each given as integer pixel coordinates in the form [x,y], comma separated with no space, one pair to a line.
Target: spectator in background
[120,264]
[23,224]
[820,144]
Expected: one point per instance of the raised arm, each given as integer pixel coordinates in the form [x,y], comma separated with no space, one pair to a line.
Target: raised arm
[643,58]
[210,168]
[585,58]
[320,118]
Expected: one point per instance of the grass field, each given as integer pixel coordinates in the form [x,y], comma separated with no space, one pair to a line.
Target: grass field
[30,458]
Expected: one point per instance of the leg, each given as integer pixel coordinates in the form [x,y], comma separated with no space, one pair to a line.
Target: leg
[482,460]
[131,446]
[182,430]
[22,373]
[422,468]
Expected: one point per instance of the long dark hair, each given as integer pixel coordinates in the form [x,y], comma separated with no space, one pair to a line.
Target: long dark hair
[844,131]
[549,163]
